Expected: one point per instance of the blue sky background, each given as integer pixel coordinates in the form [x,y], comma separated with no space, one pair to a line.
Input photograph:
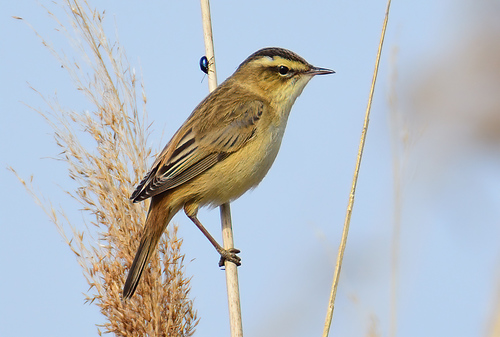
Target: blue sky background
[440,62]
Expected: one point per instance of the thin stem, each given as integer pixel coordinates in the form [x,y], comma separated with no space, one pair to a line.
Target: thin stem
[233,289]
[209,44]
[347,221]
[233,293]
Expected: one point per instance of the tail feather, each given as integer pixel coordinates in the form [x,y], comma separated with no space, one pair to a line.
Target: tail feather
[159,216]
[141,258]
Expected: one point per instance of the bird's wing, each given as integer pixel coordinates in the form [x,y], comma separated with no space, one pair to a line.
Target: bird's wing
[193,151]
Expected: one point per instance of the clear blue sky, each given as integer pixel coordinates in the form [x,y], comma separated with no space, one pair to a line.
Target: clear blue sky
[448,273]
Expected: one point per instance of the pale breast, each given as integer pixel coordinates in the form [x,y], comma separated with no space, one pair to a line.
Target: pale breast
[241,171]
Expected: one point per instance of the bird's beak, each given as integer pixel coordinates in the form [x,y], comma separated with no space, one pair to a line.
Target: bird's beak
[319,71]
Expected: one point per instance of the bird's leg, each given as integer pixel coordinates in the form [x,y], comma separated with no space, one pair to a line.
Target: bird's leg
[225,254]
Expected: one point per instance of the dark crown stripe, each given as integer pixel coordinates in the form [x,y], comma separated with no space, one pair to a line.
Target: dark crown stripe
[272,52]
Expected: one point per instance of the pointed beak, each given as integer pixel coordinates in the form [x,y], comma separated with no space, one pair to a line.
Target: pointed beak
[319,71]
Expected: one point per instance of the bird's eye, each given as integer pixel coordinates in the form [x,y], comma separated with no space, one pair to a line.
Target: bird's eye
[283,70]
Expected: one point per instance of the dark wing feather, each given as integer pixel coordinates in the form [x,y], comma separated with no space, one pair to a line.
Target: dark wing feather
[192,152]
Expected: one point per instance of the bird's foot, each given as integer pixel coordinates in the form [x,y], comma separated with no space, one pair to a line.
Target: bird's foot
[229,255]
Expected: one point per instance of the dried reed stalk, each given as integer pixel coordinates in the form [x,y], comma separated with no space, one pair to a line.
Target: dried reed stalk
[343,242]
[232,285]
[106,174]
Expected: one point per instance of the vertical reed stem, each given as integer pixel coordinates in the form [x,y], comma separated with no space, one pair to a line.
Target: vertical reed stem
[343,242]
[233,293]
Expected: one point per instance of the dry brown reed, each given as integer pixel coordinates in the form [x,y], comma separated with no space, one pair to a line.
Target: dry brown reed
[105,174]
[350,205]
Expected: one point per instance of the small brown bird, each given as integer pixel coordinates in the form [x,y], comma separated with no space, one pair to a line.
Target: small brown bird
[224,148]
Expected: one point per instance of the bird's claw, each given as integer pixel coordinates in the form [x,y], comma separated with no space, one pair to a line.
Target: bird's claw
[229,255]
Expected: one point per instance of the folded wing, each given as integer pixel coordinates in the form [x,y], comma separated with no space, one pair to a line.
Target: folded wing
[193,151]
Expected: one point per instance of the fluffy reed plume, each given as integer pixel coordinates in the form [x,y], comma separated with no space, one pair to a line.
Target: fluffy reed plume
[105,175]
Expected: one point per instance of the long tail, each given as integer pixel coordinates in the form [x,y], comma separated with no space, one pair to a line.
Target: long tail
[159,216]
